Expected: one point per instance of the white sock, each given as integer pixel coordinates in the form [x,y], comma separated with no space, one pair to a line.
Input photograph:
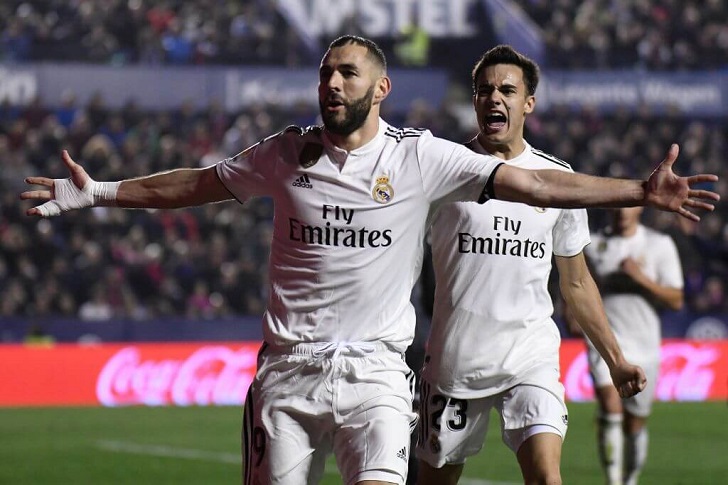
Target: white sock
[611,445]
[635,455]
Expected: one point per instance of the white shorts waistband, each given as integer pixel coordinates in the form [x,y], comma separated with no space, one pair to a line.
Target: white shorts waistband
[331,349]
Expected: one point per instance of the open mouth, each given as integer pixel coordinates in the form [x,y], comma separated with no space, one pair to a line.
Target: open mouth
[495,121]
[334,103]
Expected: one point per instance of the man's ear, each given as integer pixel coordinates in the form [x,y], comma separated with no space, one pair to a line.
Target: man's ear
[530,104]
[384,86]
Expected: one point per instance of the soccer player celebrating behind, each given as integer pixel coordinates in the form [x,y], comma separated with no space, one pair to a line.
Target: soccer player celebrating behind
[493,343]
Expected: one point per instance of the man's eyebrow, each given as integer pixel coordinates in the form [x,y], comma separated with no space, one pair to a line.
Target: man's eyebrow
[505,84]
[348,66]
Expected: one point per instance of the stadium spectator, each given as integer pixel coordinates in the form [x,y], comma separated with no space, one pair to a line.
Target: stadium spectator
[68,109]
[178,45]
[15,41]
[201,303]
[97,307]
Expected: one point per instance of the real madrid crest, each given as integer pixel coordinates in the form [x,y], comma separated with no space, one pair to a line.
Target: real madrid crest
[383,191]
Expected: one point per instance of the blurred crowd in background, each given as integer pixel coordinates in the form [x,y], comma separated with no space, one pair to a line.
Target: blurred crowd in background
[211,262]
[147,32]
[578,34]
[673,35]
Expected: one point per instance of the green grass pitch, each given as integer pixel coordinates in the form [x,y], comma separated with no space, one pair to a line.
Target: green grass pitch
[200,445]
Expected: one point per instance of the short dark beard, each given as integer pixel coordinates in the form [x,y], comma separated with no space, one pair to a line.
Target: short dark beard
[356,114]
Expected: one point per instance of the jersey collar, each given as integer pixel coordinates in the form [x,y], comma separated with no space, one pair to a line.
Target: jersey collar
[339,155]
[475,145]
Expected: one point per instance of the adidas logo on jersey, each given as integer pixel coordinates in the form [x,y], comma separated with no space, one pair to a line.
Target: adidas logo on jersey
[402,454]
[303,181]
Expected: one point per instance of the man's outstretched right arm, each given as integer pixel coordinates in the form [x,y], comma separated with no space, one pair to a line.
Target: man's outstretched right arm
[167,190]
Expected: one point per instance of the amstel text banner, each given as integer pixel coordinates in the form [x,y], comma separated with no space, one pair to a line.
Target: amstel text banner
[205,374]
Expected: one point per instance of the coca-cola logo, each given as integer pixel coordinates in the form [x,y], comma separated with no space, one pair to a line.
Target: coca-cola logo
[687,373]
[210,375]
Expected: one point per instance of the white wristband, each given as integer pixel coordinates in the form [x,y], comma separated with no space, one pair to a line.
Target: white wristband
[69,197]
[104,193]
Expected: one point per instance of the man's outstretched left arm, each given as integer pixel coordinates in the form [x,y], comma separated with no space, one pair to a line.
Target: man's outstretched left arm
[664,189]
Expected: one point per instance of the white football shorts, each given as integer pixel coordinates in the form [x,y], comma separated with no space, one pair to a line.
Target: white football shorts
[641,403]
[451,430]
[354,399]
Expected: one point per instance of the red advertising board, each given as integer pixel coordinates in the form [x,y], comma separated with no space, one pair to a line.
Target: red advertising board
[204,374]
[127,374]
[690,371]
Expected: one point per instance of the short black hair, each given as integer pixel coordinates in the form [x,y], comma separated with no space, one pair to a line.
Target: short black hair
[505,54]
[373,50]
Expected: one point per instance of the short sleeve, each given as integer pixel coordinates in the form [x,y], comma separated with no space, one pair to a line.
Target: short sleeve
[669,268]
[571,232]
[452,172]
[249,173]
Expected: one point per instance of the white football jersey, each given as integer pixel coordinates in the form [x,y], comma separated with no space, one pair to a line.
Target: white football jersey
[633,317]
[492,326]
[349,226]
